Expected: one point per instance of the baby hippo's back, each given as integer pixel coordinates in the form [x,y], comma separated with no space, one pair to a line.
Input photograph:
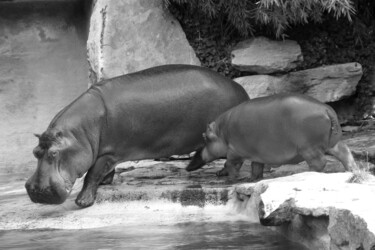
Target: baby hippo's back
[275,129]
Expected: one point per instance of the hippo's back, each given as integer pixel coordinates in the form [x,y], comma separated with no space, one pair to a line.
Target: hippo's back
[277,127]
[168,78]
[164,110]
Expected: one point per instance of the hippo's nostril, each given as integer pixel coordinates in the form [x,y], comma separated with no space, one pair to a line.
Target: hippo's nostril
[29,187]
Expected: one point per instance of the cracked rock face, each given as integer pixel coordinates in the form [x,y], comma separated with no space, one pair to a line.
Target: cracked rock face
[128,36]
[326,83]
[263,56]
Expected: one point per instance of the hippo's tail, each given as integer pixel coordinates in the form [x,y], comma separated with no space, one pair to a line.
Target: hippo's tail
[335,131]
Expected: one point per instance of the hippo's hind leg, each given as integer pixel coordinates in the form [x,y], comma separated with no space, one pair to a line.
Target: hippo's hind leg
[108,178]
[102,167]
[343,154]
[315,158]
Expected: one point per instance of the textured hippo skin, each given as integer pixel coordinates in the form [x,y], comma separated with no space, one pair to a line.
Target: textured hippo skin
[279,129]
[149,114]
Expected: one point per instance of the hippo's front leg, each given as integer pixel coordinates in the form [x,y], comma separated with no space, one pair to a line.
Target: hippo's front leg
[102,167]
[231,167]
[108,178]
[256,172]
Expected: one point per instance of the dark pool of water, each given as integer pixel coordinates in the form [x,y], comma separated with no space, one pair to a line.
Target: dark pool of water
[221,235]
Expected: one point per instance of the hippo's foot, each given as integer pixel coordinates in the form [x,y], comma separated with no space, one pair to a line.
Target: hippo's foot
[234,180]
[223,172]
[85,199]
[231,181]
[249,179]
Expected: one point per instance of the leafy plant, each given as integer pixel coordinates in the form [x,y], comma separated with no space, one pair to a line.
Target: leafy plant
[245,15]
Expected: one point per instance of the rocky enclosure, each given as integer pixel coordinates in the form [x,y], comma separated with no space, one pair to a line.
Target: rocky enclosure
[42,57]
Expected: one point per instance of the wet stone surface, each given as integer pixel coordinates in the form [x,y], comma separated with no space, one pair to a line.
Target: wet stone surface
[153,180]
[151,191]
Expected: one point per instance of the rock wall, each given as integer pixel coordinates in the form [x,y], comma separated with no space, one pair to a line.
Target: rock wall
[264,56]
[131,35]
[42,69]
[328,83]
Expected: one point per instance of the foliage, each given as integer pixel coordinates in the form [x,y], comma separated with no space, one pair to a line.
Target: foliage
[327,42]
[245,15]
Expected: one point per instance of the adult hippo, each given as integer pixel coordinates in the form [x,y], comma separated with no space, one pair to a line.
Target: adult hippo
[153,113]
[279,129]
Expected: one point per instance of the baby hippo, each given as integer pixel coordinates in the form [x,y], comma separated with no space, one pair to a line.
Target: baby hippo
[279,129]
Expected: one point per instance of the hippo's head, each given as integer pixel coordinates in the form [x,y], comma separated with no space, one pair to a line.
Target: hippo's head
[61,160]
[215,148]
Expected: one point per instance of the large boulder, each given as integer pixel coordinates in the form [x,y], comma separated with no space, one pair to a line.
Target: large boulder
[131,35]
[326,83]
[263,56]
[320,211]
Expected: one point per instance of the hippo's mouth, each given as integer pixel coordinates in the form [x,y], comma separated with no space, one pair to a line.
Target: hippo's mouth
[55,191]
[47,196]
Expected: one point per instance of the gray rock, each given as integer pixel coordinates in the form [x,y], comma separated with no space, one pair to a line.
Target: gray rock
[326,83]
[262,55]
[320,211]
[128,36]
[261,85]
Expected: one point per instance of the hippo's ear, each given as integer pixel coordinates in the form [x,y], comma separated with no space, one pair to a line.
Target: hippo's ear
[37,135]
[204,137]
[211,127]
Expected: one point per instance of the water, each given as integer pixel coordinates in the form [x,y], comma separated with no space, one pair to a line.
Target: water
[125,225]
[196,235]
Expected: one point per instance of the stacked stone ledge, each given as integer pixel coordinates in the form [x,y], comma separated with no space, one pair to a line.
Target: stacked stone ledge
[262,57]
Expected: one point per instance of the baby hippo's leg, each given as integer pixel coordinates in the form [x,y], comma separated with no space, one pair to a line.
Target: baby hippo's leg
[343,154]
[231,167]
[314,158]
[256,171]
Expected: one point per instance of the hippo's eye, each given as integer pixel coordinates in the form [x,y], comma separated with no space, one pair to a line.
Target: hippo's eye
[52,153]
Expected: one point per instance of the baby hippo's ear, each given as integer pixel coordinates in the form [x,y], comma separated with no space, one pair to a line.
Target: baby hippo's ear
[210,133]
[211,126]
[204,137]
[37,135]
